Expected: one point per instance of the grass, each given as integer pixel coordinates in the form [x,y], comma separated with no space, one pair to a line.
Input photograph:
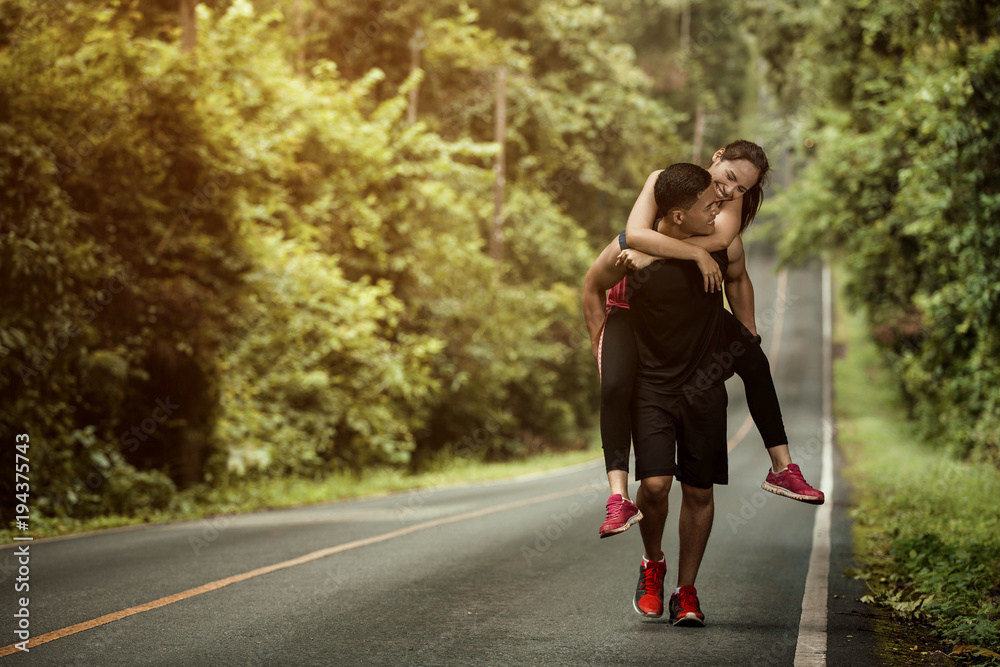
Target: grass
[927,526]
[258,495]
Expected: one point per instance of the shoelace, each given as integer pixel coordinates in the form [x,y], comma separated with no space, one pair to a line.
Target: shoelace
[614,512]
[795,473]
[688,601]
[649,581]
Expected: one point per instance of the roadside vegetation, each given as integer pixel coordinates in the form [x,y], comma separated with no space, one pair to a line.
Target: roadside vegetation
[889,110]
[927,524]
[259,493]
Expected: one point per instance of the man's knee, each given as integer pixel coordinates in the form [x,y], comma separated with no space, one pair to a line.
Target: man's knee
[656,489]
[693,495]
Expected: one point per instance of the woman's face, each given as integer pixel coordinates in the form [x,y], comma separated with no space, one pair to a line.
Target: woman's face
[732,178]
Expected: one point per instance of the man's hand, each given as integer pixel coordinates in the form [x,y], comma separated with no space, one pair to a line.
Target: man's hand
[633,260]
[710,271]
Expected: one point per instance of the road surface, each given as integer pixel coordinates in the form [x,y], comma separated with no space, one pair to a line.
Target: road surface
[508,572]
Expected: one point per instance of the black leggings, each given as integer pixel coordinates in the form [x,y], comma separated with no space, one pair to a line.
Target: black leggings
[619,363]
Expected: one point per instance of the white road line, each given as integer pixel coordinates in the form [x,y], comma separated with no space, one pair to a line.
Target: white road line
[810,651]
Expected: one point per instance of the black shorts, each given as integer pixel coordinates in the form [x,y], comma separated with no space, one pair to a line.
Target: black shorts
[681,435]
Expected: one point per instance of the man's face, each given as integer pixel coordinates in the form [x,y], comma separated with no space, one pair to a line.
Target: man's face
[699,220]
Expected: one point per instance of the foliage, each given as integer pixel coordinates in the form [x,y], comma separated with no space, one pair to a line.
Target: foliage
[928,535]
[582,125]
[334,382]
[244,261]
[904,179]
[938,573]
[708,66]
[117,265]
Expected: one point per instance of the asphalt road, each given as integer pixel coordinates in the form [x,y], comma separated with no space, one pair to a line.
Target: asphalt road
[502,573]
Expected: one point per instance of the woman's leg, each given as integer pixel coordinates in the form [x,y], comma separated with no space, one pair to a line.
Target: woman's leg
[618,363]
[750,363]
[618,367]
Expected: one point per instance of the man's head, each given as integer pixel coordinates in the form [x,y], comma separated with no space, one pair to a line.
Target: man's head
[687,200]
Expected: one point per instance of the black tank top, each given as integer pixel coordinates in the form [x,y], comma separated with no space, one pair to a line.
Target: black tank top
[678,326]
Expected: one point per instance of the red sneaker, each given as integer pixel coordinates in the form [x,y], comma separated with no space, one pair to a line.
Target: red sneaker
[685,608]
[648,600]
[620,516]
[791,484]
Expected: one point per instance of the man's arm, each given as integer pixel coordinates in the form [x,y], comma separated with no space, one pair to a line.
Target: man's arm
[739,289]
[602,276]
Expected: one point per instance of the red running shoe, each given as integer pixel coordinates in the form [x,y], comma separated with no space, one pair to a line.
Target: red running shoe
[685,608]
[791,484]
[648,600]
[620,516]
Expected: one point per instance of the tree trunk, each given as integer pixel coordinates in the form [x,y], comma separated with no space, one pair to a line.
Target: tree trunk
[300,40]
[416,43]
[686,28]
[699,133]
[499,166]
[189,30]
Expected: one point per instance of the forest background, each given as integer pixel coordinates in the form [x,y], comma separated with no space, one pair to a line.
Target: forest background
[279,239]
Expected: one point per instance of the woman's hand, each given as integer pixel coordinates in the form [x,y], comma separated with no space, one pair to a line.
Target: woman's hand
[710,271]
[633,260]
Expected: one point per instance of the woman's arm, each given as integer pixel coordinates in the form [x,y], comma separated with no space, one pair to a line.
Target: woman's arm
[727,228]
[639,234]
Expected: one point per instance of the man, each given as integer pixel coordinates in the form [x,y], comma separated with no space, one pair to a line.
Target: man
[679,419]
[606,315]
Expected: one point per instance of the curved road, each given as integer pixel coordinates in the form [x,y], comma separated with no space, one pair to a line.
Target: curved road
[508,572]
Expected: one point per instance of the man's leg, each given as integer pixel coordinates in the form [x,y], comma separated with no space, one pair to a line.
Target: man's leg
[652,501]
[695,526]
[703,459]
[655,436]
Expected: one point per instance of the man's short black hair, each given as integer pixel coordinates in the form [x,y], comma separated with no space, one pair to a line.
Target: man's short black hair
[679,186]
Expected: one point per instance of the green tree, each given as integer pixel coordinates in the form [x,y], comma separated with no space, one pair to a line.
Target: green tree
[252,262]
[902,180]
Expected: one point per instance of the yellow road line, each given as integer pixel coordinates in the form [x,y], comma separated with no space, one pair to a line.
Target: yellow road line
[315,555]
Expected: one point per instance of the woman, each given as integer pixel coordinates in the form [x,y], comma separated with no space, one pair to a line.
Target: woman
[738,171]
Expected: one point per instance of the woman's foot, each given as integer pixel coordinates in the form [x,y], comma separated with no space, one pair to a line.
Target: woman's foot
[791,484]
[621,514]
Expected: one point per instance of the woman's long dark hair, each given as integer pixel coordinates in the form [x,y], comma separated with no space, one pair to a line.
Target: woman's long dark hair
[741,149]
